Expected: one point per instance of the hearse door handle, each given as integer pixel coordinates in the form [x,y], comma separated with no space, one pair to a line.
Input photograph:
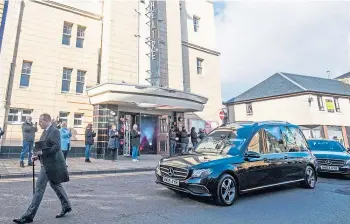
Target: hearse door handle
[265,159]
[286,157]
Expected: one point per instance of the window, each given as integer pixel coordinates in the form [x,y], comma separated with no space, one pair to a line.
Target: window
[16,116]
[273,140]
[254,145]
[25,75]
[320,103]
[67,73]
[336,104]
[63,116]
[249,109]
[80,36]
[67,33]
[195,23]
[78,120]
[199,66]
[330,105]
[25,114]
[294,139]
[80,81]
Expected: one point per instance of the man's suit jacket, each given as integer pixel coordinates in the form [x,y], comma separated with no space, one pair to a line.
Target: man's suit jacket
[52,156]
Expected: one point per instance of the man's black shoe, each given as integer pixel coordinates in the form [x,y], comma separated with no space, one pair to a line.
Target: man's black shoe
[21,164]
[31,164]
[23,220]
[87,161]
[63,212]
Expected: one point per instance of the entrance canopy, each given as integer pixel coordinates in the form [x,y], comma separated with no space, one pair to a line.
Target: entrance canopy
[149,97]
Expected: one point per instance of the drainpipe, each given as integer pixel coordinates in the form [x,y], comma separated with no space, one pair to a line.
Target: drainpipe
[13,64]
[138,42]
[100,51]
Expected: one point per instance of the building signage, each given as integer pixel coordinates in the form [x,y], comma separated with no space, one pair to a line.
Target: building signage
[330,105]
[154,43]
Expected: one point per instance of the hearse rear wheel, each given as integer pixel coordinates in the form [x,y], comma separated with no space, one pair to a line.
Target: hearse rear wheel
[309,178]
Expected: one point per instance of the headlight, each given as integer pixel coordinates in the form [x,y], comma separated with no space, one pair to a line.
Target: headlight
[202,173]
[348,162]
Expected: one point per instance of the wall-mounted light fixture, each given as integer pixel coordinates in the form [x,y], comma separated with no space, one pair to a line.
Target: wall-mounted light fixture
[310,99]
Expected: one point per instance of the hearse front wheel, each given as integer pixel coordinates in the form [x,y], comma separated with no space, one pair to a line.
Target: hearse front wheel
[226,191]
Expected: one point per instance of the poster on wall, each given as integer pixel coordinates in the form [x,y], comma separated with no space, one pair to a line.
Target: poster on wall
[330,105]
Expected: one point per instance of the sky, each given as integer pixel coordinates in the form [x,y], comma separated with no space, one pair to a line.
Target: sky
[259,38]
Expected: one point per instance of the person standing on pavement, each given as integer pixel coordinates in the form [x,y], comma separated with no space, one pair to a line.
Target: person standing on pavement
[1,134]
[53,170]
[89,142]
[184,140]
[201,134]
[135,142]
[28,132]
[66,134]
[172,140]
[194,137]
[113,142]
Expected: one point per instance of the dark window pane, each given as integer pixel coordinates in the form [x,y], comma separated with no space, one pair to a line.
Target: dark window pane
[80,87]
[80,43]
[65,85]
[24,80]
[66,40]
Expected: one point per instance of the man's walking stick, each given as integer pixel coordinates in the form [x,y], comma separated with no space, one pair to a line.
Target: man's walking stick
[33,175]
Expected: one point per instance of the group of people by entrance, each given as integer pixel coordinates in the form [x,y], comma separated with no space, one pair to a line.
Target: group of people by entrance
[179,140]
[116,141]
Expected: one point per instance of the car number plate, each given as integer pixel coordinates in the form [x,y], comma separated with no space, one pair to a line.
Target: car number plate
[171,181]
[329,168]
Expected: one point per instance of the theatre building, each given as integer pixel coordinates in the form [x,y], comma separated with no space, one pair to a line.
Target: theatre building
[153,63]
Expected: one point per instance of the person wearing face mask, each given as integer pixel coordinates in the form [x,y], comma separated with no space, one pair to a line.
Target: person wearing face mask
[135,142]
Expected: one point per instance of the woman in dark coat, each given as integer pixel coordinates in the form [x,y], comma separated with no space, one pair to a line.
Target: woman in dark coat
[113,142]
[194,137]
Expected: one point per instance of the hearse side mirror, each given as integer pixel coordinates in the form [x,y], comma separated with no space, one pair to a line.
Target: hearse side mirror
[251,154]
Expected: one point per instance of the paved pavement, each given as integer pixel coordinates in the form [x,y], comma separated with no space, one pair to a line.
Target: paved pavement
[9,168]
[134,198]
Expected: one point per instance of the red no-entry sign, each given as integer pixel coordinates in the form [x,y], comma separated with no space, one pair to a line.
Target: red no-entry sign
[222,115]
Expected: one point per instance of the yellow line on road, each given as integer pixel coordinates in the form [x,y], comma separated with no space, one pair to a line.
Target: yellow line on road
[27,179]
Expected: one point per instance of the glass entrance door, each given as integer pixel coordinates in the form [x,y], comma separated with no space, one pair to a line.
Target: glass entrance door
[163,135]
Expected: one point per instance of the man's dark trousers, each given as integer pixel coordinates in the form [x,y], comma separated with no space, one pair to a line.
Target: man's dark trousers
[39,193]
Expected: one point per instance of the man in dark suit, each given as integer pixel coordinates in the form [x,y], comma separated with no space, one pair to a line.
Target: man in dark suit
[53,170]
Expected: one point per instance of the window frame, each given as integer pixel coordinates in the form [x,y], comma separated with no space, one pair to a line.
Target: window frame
[26,73]
[336,104]
[81,119]
[81,77]
[21,116]
[80,36]
[199,64]
[66,79]
[67,26]
[196,23]
[320,103]
[247,111]
[63,118]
